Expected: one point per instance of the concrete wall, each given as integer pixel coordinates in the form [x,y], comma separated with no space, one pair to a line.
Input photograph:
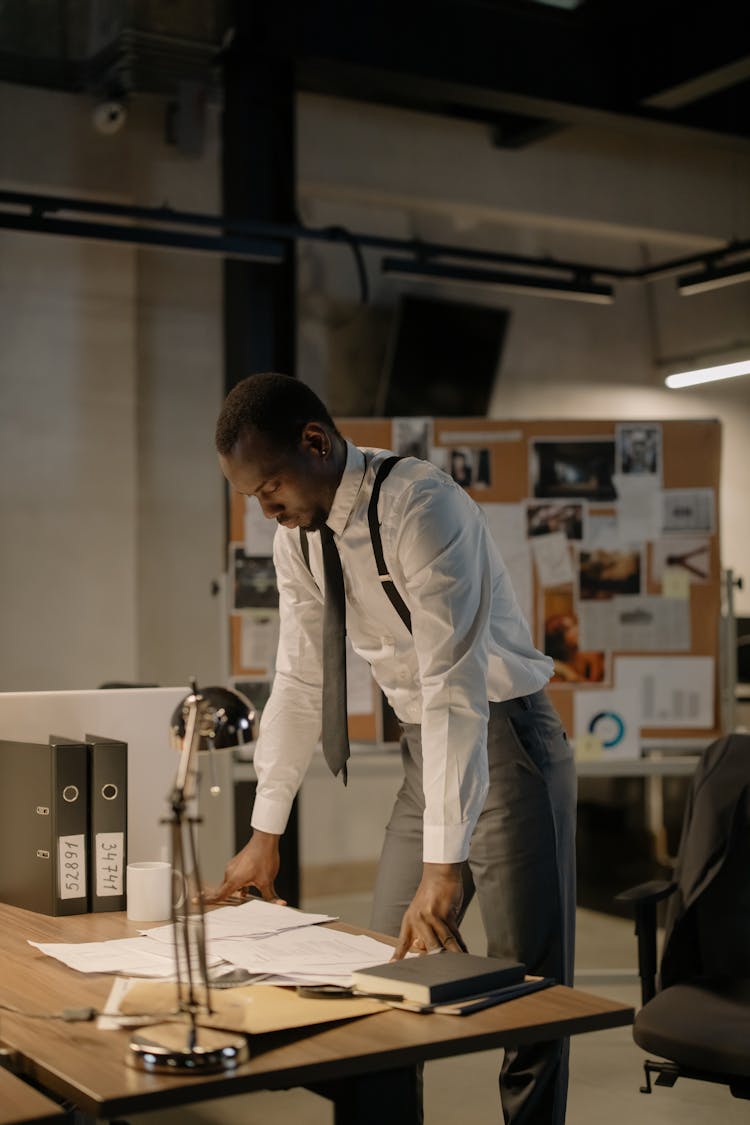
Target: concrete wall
[111,506]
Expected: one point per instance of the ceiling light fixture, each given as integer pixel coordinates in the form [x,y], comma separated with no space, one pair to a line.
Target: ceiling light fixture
[708,374]
[573,288]
[713,277]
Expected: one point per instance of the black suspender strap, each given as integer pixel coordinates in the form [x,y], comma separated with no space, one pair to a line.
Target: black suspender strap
[397,601]
[377,546]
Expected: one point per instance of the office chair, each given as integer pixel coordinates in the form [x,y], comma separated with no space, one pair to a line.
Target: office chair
[696,1012]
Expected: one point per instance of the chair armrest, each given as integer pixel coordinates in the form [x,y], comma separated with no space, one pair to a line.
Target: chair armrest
[653,891]
[644,898]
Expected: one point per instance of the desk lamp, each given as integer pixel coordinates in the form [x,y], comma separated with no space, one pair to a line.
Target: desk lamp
[212,719]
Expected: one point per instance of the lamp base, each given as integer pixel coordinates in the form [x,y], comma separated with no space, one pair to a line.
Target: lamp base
[173,1048]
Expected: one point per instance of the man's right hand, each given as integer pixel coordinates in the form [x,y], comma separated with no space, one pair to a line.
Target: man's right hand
[257,865]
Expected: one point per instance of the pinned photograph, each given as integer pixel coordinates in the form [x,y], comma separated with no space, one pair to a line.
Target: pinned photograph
[603,574]
[578,468]
[253,581]
[547,518]
[690,556]
[471,468]
[412,437]
[562,641]
[639,449]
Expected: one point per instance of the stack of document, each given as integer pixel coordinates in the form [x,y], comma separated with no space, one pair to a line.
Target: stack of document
[271,943]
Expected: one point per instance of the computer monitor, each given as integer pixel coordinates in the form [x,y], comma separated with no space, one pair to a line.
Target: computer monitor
[442,358]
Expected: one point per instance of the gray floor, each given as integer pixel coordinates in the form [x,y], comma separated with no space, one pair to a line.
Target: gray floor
[606,1067]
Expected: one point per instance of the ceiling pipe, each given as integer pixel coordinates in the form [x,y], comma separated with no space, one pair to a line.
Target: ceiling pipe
[167,227]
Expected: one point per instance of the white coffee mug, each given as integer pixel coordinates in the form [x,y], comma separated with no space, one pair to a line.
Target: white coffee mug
[149,891]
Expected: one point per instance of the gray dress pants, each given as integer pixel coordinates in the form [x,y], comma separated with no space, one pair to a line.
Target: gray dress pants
[522,867]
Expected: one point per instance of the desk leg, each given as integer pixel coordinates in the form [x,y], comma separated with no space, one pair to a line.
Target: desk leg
[394,1096]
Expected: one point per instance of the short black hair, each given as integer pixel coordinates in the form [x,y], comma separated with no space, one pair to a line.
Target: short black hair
[276,405]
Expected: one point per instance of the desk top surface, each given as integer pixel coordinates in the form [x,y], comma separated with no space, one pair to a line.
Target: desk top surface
[88,1065]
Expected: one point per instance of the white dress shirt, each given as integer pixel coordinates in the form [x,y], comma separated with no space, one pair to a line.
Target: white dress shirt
[469,643]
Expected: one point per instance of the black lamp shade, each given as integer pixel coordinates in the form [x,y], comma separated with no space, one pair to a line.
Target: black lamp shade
[227,719]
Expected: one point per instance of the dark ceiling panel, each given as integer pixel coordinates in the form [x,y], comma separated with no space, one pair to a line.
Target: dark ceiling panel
[517,65]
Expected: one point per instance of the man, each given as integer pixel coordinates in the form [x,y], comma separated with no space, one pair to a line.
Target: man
[488,798]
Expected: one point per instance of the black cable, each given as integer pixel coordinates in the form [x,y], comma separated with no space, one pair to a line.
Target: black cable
[344,235]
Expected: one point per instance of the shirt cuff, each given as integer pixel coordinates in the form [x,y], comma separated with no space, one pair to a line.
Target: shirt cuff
[270,816]
[446,843]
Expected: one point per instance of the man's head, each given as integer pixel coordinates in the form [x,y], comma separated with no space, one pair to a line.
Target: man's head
[277,441]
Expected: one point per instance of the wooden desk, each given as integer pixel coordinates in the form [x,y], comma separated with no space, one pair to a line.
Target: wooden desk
[359,1063]
[21,1104]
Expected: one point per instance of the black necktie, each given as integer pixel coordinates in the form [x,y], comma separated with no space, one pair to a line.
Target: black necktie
[335,736]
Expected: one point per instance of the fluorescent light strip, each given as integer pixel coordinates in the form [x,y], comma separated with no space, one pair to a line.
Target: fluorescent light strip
[708,374]
[712,278]
[515,282]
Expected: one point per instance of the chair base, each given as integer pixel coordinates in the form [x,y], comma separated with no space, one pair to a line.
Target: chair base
[668,1073]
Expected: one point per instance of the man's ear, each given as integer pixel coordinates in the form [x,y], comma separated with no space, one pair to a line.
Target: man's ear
[316,439]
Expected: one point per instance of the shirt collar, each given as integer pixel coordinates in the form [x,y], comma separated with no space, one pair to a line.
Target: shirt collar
[349,486]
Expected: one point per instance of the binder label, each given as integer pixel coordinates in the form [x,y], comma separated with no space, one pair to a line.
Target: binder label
[110,863]
[72,866]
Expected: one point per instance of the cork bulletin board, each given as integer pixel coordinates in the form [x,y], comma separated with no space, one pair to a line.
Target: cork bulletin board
[609,530]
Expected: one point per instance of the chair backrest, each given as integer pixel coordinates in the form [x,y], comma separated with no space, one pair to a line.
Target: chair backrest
[708,922]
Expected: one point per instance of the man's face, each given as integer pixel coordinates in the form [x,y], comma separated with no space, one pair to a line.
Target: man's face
[293,486]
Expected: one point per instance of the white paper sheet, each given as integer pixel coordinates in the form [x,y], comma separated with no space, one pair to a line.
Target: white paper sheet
[635,624]
[639,508]
[259,531]
[686,510]
[611,717]
[552,558]
[507,525]
[259,640]
[359,698]
[255,918]
[518,565]
[601,531]
[315,954]
[137,956]
[673,691]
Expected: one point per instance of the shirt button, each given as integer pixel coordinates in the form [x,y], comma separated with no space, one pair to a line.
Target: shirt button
[403,673]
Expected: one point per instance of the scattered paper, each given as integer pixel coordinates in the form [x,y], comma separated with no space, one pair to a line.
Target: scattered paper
[256,918]
[138,956]
[313,954]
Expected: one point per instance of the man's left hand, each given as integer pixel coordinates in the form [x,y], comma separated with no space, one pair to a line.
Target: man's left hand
[430,923]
